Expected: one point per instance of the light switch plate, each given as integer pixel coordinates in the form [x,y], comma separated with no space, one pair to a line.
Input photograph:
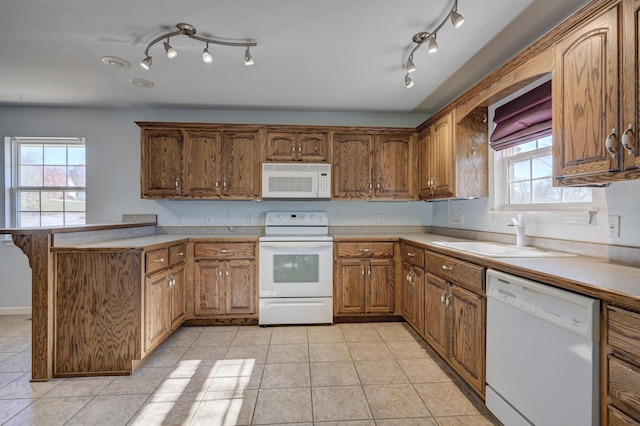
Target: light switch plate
[613,226]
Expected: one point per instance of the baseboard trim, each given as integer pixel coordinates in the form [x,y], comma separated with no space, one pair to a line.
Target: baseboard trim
[25,310]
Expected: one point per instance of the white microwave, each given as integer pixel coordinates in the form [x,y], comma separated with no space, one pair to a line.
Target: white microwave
[296,181]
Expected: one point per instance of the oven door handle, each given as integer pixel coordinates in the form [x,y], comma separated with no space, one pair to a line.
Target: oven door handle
[295,244]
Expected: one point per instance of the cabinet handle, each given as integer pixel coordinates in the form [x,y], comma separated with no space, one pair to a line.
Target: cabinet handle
[177,183]
[159,260]
[378,185]
[217,184]
[220,273]
[411,254]
[224,184]
[362,269]
[369,270]
[366,250]
[180,254]
[444,296]
[300,149]
[625,139]
[447,268]
[227,273]
[224,251]
[293,150]
[370,185]
[410,277]
[608,143]
[446,301]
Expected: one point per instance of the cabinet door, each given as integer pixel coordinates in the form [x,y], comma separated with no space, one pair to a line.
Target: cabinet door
[352,166]
[425,151]
[156,309]
[379,287]
[209,287]
[631,83]
[201,168]
[585,100]
[471,154]
[281,147]
[435,321]
[313,147]
[407,292]
[177,299]
[240,287]
[161,163]
[417,299]
[394,168]
[467,330]
[442,158]
[241,165]
[350,287]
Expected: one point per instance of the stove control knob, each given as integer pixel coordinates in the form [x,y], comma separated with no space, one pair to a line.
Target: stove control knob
[272,219]
[321,218]
[312,216]
[280,217]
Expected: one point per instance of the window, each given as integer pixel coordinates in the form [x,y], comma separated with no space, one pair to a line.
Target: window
[48,182]
[528,177]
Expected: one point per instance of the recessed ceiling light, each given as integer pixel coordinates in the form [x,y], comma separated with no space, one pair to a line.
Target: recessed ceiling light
[116,62]
[141,82]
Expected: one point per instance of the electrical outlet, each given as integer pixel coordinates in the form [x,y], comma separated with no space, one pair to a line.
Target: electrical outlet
[180,218]
[209,219]
[249,219]
[613,226]
[380,218]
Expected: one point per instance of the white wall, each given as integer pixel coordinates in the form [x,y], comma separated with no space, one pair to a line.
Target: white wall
[113,171]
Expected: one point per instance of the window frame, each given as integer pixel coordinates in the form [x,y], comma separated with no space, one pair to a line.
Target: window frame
[13,166]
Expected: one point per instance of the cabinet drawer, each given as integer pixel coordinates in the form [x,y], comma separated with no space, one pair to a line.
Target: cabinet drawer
[365,249]
[618,418]
[156,260]
[412,255]
[456,271]
[624,382]
[623,330]
[177,254]
[225,250]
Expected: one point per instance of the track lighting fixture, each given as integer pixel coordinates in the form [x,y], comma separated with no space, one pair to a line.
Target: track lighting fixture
[207,57]
[190,31]
[430,37]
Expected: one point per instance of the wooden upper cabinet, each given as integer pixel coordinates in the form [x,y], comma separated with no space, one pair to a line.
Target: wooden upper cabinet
[471,134]
[352,165]
[201,167]
[585,101]
[161,163]
[395,166]
[312,147]
[241,165]
[631,82]
[437,165]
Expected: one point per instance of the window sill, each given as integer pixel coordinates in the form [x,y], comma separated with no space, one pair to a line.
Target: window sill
[576,217]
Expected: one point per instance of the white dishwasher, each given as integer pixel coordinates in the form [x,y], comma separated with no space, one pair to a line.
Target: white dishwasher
[542,353]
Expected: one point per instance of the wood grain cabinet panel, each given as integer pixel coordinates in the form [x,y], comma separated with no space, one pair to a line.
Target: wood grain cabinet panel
[352,166]
[596,92]
[395,166]
[225,282]
[202,164]
[157,309]
[283,146]
[241,165]
[364,278]
[413,288]
[161,163]
[455,315]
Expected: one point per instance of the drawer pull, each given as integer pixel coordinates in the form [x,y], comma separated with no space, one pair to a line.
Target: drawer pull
[411,254]
[180,254]
[159,260]
[223,251]
[447,268]
[366,250]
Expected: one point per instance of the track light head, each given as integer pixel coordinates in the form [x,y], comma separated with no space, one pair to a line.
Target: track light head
[456,19]
[248,59]
[171,52]
[411,67]
[146,63]
[433,44]
[207,57]
[408,82]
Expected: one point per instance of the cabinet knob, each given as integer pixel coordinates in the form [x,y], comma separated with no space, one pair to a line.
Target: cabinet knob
[625,139]
[608,143]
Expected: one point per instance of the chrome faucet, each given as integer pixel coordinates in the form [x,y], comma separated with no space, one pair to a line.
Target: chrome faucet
[520,234]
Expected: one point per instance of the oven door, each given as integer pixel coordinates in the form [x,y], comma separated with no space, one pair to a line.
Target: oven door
[296,269]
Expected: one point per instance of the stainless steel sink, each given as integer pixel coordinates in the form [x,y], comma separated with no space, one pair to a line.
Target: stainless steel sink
[488,249]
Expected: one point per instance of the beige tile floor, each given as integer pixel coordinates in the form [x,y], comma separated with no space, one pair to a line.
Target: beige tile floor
[347,374]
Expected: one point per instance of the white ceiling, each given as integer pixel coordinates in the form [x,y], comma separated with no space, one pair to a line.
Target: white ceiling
[313,55]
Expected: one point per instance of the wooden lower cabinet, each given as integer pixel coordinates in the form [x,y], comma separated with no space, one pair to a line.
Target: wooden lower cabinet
[413,286]
[364,277]
[455,316]
[114,306]
[620,366]
[225,282]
